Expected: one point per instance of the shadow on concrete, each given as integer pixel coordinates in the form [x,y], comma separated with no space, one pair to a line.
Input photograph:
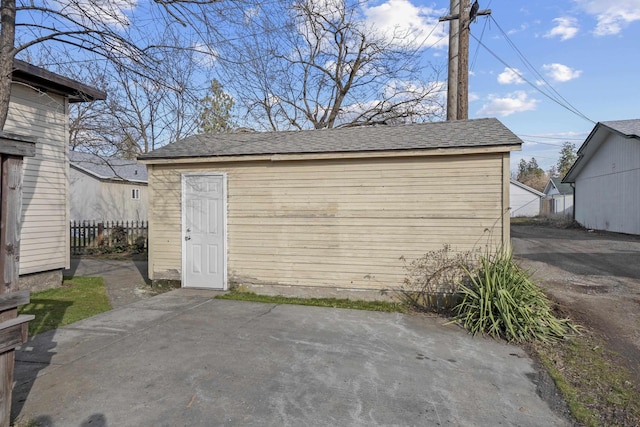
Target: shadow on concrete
[95,420]
[143,268]
[36,354]
[619,264]
[73,267]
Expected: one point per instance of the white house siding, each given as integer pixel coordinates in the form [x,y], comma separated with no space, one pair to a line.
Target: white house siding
[607,194]
[562,204]
[44,238]
[337,223]
[523,202]
[103,200]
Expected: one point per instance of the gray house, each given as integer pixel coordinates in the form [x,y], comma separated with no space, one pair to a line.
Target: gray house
[106,189]
[606,178]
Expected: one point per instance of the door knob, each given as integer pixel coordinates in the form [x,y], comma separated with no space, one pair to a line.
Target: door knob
[187,238]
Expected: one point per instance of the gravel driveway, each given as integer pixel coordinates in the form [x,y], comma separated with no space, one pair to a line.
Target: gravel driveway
[595,276]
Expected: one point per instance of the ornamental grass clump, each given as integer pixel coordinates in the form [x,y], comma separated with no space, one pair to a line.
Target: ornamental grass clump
[500,300]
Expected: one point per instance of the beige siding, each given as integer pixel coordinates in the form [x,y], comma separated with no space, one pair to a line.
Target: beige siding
[337,223]
[44,237]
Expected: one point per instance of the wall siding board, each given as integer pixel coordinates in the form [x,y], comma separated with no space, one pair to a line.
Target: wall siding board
[336,223]
[44,220]
[606,190]
[523,202]
[105,200]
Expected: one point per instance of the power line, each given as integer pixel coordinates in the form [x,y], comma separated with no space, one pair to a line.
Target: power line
[551,137]
[528,64]
[495,55]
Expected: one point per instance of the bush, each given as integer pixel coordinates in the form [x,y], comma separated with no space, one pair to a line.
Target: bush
[119,238]
[432,281]
[500,300]
[138,246]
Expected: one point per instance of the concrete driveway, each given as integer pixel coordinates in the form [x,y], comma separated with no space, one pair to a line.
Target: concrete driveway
[186,359]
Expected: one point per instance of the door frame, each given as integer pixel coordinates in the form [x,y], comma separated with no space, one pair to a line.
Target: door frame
[183,210]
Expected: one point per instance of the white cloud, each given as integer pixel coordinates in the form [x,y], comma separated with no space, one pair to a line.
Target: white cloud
[566,28]
[561,73]
[521,28]
[515,102]
[510,76]
[204,55]
[416,26]
[97,13]
[612,15]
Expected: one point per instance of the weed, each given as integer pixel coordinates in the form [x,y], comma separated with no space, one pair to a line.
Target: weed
[597,388]
[433,280]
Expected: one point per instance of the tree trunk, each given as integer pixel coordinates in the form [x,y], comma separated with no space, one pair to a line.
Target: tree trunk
[7,52]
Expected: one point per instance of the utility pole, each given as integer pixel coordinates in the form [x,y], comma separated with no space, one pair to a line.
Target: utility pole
[458,76]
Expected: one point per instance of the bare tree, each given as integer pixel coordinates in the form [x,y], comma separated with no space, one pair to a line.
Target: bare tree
[117,31]
[144,109]
[317,64]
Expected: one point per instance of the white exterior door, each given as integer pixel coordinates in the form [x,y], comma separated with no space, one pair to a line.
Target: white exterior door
[203,231]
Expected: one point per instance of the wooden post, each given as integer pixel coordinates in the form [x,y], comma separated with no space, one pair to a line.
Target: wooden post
[10,212]
[13,328]
[452,79]
[458,74]
[463,63]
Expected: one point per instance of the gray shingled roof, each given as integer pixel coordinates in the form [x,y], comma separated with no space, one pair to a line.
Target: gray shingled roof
[626,127]
[563,188]
[600,132]
[455,134]
[109,167]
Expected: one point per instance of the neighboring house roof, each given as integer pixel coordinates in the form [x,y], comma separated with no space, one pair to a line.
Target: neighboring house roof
[527,188]
[51,82]
[108,168]
[439,135]
[561,187]
[601,131]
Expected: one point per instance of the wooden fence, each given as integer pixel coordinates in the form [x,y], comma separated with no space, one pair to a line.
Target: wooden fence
[108,236]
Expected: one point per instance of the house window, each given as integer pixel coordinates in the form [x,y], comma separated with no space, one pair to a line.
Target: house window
[135,193]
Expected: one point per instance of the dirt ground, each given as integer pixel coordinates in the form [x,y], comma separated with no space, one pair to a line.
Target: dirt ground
[593,276]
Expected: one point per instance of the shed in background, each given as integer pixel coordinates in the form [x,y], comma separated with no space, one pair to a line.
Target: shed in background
[325,209]
[606,178]
[558,200]
[525,201]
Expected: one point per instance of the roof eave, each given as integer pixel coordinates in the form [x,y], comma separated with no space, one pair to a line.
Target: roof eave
[501,148]
[584,153]
[106,178]
[526,187]
[48,81]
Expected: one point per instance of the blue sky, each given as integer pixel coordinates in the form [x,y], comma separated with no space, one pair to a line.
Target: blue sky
[588,51]
[585,51]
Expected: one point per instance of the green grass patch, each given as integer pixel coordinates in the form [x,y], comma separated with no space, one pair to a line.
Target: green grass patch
[597,388]
[390,307]
[77,299]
